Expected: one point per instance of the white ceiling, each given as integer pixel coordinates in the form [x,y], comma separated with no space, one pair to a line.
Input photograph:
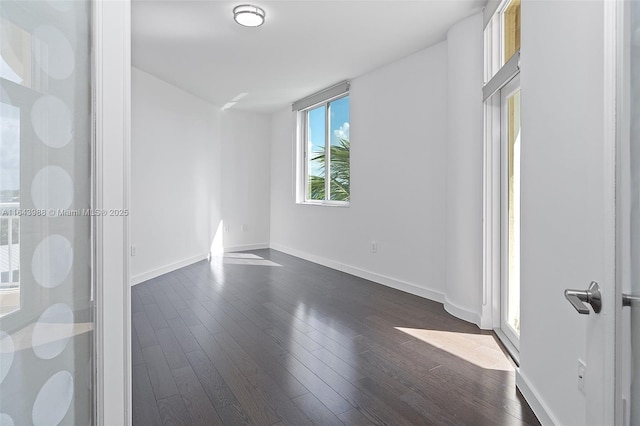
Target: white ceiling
[304,45]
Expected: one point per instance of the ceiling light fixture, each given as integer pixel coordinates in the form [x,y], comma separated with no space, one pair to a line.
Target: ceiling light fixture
[248,15]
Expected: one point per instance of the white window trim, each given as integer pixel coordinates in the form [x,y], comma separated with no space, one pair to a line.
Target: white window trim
[301,108]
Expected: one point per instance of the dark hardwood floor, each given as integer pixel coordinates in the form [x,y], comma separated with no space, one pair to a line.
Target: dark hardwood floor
[264,338]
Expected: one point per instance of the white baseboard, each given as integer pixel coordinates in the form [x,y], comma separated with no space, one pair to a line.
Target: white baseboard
[244,247]
[486,318]
[137,279]
[538,406]
[462,313]
[371,276]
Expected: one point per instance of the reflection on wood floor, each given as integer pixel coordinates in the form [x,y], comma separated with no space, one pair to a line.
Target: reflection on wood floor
[264,338]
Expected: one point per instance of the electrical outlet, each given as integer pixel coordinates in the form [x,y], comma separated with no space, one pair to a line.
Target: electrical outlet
[374,247]
[133,250]
[226,228]
[244,227]
[582,370]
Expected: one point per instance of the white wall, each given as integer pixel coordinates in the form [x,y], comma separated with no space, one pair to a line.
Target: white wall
[563,228]
[464,169]
[489,10]
[246,177]
[398,171]
[176,169]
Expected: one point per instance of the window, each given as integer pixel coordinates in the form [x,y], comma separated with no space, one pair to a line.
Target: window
[9,203]
[510,146]
[324,146]
[502,170]
[511,31]
[24,59]
[16,53]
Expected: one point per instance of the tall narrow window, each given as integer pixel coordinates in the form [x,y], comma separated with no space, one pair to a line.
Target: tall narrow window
[325,149]
[501,94]
[316,152]
[511,208]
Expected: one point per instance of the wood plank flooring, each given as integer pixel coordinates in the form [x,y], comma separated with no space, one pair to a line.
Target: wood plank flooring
[263,338]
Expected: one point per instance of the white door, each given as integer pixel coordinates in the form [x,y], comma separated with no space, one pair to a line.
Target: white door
[567,211]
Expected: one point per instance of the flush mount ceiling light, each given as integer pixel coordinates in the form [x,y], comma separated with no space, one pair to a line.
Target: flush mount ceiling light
[248,15]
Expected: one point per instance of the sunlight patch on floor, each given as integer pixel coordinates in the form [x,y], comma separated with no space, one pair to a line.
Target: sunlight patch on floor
[479,349]
[245,259]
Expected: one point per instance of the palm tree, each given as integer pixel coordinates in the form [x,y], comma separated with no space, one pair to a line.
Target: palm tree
[339,173]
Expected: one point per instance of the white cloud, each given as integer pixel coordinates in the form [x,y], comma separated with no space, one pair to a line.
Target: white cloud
[342,132]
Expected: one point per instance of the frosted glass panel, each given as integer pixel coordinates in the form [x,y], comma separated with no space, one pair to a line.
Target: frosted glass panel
[46,316]
[634,403]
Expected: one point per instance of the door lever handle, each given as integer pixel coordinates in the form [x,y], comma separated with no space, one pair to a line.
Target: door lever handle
[592,296]
[628,300]
[576,302]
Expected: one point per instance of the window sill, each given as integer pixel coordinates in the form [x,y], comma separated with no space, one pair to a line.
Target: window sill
[324,203]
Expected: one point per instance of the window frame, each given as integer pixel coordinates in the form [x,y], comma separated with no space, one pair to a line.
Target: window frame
[303,157]
[22,97]
[507,91]
[499,72]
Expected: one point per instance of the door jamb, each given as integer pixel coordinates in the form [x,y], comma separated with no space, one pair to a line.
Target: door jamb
[111,186]
[617,39]
[612,94]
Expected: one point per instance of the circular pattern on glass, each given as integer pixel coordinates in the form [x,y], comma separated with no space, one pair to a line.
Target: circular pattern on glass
[52,188]
[59,60]
[7,350]
[52,261]
[6,420]
[52,331]
[52,121]
[53,400]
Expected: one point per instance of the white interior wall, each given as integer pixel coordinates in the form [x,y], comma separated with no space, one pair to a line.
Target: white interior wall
[176,197]
[398,170]
[246,177]
[464,169]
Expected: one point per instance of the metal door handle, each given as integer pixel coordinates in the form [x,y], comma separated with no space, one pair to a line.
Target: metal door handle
[628,300]
[591,296]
